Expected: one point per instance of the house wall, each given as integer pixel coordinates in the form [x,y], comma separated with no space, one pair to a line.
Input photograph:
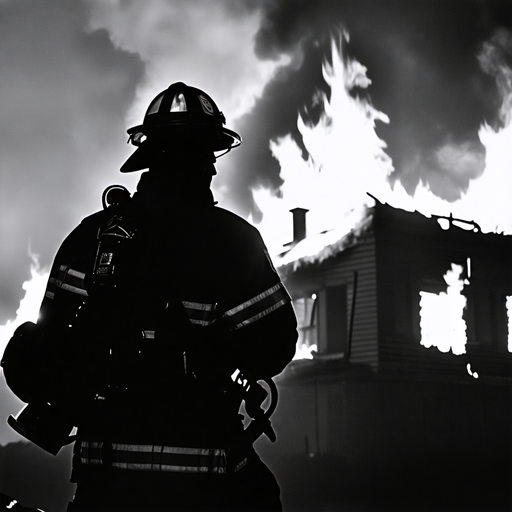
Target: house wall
[373,421]
[391,445]
[413,253]
[341,270]
[397,403]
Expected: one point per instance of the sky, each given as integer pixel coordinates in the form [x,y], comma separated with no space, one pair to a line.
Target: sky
[75,74]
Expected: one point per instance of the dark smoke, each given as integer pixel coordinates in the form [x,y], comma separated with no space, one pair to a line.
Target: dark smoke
[422,59]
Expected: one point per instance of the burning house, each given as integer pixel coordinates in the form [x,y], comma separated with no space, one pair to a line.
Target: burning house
[405,349]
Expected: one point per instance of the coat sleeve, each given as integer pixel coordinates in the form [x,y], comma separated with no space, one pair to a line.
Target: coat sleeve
[65,295]
[257,309]
[66,290]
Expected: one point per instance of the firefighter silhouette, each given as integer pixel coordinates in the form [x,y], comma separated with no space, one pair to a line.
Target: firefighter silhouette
[161,314]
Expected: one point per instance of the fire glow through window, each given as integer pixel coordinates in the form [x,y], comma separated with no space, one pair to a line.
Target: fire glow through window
[305,309]
[441,315]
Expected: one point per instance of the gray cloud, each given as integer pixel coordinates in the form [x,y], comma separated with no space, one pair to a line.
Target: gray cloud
[274,115]
[64,95]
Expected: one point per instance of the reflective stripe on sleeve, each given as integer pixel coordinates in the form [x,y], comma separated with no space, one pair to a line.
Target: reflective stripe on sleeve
[67,279]
[256,308]
[199,313]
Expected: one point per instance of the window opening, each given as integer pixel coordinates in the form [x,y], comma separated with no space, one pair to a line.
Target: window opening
[306,311]
[441,314]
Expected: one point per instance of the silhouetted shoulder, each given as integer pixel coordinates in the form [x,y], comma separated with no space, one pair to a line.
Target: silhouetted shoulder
[95,219]
[85,233]
[233,223]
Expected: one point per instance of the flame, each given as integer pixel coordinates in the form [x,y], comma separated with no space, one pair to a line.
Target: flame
[441,323]
[471,372]
[28,309]
[347,159]
[305,351]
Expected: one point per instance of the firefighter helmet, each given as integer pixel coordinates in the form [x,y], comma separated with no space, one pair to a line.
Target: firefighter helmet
[179,111]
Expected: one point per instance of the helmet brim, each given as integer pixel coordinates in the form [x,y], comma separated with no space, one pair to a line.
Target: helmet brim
[139,160]
[220,139]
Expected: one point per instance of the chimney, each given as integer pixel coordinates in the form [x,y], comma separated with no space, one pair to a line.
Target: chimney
[299,224]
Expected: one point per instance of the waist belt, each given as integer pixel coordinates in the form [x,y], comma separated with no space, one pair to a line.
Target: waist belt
[148,457]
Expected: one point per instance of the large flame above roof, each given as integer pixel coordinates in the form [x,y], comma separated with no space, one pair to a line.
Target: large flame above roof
[347,160]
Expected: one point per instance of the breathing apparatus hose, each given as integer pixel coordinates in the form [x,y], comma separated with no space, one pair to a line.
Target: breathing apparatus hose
[273,397]
[260,423]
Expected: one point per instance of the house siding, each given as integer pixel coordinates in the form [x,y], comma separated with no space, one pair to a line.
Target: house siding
[412,251]
[399,418]
[339,270]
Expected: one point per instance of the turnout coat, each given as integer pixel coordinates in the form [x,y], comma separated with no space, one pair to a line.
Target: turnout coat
[150,307]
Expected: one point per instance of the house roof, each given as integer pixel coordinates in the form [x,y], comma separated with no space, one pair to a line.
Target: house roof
[315,249]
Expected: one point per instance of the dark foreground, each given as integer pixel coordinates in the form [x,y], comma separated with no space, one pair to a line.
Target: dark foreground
[327,484]
[308,484]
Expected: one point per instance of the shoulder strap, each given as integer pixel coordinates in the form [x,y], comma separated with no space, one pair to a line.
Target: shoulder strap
[113,235]
[115,195]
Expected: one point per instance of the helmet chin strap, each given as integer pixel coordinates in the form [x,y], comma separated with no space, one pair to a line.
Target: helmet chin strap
[184,167]
[196,157]
[224,153]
